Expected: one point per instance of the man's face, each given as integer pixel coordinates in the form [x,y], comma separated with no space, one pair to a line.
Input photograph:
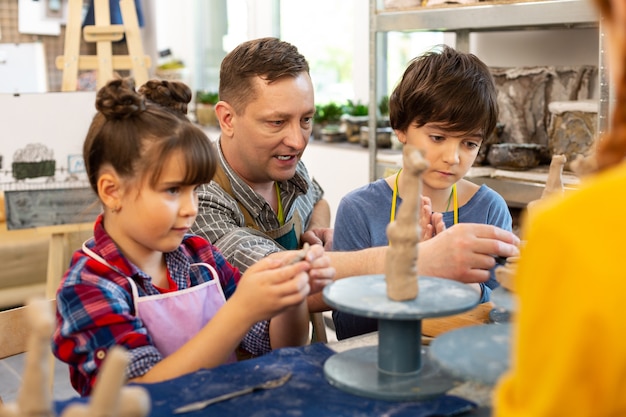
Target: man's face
[269,137]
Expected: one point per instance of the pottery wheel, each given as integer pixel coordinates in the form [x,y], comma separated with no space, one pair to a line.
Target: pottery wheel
[399,368]
[476,353]
[504,299]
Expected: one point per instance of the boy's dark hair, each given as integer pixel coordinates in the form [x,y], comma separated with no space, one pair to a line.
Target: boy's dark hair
[268,58]
[136,135]
[447,87]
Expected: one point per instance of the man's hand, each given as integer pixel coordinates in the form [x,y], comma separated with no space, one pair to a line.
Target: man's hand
[319,236]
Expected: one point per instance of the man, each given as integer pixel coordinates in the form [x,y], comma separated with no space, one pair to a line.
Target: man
[262,199]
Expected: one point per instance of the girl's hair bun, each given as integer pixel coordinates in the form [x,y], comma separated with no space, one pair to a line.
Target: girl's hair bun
[118,99]
[173,95]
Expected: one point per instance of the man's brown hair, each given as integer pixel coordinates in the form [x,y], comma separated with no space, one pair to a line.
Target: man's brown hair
[268,58]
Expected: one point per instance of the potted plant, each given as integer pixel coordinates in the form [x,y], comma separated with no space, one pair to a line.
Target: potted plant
[383,107]
[383,131]
[327,117]
[205,108]
[355,116]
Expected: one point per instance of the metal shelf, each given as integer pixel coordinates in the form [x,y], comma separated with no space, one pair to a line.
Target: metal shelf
[489,17]
[481,17]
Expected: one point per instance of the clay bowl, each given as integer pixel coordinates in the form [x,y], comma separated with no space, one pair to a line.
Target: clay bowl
[515,155]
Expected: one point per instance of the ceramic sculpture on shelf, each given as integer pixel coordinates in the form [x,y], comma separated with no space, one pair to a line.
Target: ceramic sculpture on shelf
[554,182]
[505,275]
[404,232]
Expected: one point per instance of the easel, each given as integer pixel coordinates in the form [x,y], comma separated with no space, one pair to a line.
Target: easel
[103,33]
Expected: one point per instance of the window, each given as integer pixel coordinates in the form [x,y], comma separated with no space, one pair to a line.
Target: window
[332,35]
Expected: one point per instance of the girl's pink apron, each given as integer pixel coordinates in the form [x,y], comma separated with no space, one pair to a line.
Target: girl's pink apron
[173,318]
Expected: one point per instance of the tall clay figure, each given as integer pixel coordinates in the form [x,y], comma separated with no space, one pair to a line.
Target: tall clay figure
[404,233]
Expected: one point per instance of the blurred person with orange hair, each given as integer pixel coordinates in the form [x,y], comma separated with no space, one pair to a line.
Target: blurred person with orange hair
[568,353]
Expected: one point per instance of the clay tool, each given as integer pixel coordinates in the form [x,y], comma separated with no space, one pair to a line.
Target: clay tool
[301,254]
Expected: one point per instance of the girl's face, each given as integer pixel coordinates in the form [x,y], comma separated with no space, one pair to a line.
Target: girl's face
[155,219]
[449,154]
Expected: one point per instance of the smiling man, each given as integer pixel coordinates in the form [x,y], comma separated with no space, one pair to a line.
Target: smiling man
[262,199]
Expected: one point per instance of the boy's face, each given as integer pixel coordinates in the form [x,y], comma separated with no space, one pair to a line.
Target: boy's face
[449,154]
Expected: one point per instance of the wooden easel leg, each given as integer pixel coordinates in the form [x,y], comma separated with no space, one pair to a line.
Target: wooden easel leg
[133,40]
[72,45]
[104,49]
[58,262]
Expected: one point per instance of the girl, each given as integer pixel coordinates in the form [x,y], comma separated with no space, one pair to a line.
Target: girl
[143,281]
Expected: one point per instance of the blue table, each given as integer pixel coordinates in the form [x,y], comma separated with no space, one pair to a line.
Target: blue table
[307,393]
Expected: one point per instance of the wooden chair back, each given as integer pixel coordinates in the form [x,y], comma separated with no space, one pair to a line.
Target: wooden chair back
[15,329]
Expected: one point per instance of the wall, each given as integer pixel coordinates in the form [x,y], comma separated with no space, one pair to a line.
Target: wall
[562,47]
[338,168]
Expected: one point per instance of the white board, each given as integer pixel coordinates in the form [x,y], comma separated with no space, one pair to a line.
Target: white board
[23,68]
[32,18]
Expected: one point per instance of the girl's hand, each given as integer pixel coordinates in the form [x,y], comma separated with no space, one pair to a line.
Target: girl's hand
[272,285]
[321,273]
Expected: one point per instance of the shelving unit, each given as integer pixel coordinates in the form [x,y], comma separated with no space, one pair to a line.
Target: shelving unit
[479,17]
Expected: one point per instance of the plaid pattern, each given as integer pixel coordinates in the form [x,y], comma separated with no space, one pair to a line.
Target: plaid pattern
[95,306]
[221,221]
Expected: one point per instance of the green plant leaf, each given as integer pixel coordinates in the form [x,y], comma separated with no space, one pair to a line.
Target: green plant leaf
[207,97]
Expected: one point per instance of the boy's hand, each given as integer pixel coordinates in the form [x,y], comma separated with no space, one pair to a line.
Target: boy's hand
[430,223]
[465,252]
